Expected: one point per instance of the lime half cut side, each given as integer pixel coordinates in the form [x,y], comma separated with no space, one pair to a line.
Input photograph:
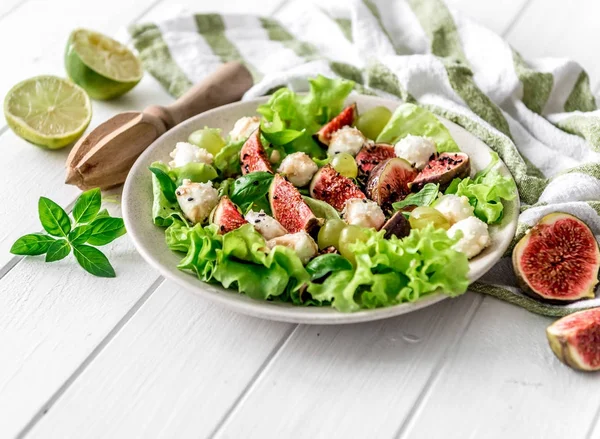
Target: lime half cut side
[104,67]
[48,111]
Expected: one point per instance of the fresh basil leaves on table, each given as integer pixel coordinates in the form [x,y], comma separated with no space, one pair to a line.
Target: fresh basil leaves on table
[89,226]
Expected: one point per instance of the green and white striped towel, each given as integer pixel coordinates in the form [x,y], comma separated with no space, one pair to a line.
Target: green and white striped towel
[539,115]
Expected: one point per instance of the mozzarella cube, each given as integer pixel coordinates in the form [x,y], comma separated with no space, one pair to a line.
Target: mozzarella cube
[363,213]
[266,225]
[243,128]
[298,168]
[301,242]
[416,150]
[475,236]
[185,153]
[197,200]
[454,208]
[347,139]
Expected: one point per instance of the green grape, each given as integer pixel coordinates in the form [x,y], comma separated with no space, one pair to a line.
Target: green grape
[345,164]
[349,236]
[208,138]
[329,234]
[423,215]
[372,121]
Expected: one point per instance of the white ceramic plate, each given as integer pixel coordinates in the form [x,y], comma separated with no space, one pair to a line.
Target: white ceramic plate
[150,240]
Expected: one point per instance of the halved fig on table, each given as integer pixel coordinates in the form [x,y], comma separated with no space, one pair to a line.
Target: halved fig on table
[371,155]
[227,216]
[389,182]
[558,260]
[253,155]
[397,226]
[347,117]
[442,169]
[330,186]
[574,339]
[289,208]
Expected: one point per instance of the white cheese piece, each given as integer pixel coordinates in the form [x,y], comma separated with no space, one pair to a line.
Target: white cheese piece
[185,153]
[298,168]
[347,139]
[266,225]
[305,247]
[454,208]
[416,150]
[364,213]
[475,236]
[243,128]
[197,200]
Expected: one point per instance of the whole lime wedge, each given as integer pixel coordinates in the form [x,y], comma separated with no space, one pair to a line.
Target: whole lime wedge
[104,67]
[48,111]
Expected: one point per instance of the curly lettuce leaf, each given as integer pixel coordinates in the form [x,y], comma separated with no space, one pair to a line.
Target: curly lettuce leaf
[393,271]
[415,120]
[196,172]
[227,160]
[486,191]
[163,210]
[203,244]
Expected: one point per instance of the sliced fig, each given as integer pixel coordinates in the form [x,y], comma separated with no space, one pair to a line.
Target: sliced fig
[442,169]
[347,117]
[289,208]
[371,155]
[389,182]
[397,226]
[227,216]
[574,339]
[558,260]
[330,186]
[253,155]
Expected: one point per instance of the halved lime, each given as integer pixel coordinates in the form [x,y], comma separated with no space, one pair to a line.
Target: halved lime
[104,67]
[48,111]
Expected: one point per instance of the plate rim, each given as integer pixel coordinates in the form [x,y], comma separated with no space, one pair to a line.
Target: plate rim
[273,310]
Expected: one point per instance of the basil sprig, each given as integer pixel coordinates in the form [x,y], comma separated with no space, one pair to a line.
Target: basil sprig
[90,225]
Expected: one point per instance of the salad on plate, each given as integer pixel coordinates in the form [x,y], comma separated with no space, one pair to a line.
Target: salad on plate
[315,204]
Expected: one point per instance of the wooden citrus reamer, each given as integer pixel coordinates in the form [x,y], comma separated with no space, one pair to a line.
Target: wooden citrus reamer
[103,157]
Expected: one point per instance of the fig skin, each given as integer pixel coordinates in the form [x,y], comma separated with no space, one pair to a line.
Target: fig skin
[330,186]
[371,155]
[574,340]
[227,216]
[397,226]
[347,117]
[539,235]
[289,208]
[389,182]
[442,169]
[253,155]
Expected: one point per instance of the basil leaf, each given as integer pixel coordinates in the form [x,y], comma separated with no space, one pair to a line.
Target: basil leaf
[251,187]
[103,214]
[105,230]
[425,197]
[167,186]
[58,250]
[79,235]
[32,244]
[87,206]
[325,264]
[93,261]
[53,218]
[277,135]
[321,209]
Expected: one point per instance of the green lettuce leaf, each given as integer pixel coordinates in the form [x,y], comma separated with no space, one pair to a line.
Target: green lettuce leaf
[163,210]
[196,172]
[227,160]
[411,119]
[203,244]
[393,271]
[486,191]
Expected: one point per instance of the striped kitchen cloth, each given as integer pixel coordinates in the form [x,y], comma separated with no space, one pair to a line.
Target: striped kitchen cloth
[539,115]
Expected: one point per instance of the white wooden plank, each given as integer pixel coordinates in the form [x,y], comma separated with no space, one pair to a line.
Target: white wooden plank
[502,381]
[8,7]
[52,316]
[495,15]
[350,381]
[551,28]
[173,371]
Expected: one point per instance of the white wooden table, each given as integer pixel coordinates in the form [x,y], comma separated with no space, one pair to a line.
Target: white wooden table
[138,357]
